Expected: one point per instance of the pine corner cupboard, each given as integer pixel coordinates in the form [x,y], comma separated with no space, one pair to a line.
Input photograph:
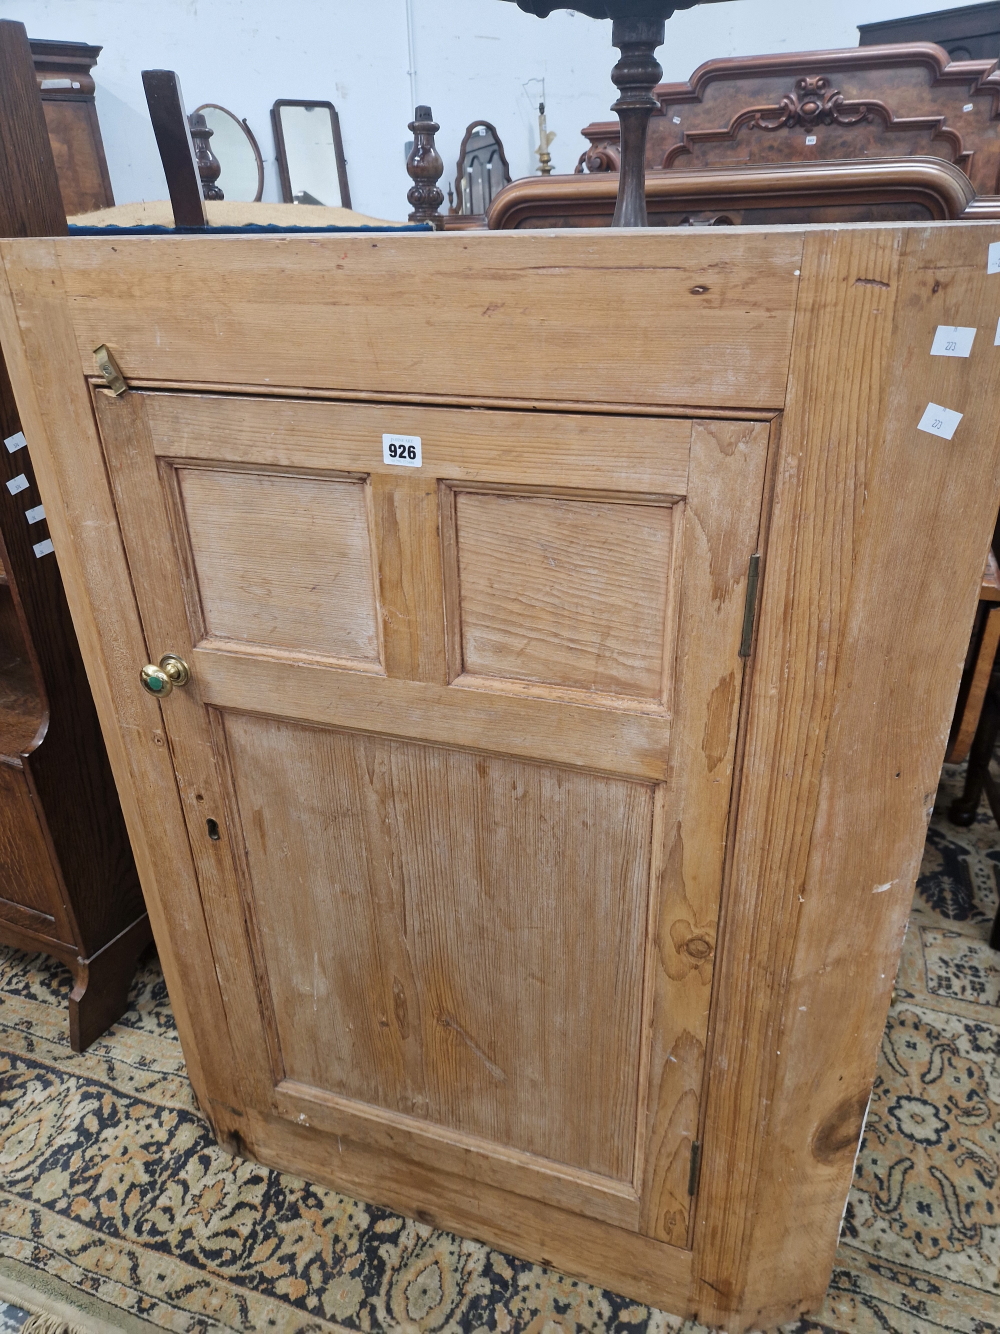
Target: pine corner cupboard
[556,637]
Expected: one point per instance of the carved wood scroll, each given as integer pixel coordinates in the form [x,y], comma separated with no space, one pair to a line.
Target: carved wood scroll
[891,101]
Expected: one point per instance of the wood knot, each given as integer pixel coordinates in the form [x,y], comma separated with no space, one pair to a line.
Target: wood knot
[840,1132]
[697,947]
[694,950]
[699,291]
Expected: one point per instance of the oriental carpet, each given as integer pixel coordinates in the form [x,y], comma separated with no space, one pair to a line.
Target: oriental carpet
[115,1199]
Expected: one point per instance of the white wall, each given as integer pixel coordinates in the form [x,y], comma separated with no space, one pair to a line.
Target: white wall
[472,59]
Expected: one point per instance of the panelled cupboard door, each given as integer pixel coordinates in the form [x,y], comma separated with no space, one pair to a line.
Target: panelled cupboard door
[456,759]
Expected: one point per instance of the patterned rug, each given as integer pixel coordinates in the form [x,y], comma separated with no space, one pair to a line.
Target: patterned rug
[115,1199]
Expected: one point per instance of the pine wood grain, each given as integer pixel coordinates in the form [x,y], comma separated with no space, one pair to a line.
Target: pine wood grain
[282,561]
[576,730]
[569,1242]
[571,449]
[441,910]
[369,305]
[899,646]
[406,524]
[809,781]
[720,531]
[570,592]
[81,515]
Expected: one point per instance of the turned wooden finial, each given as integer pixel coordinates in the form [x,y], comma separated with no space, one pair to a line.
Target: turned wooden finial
[635,76]
[425,167]
[209,166]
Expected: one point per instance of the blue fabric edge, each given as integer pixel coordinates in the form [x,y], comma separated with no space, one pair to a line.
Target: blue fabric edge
[267,229]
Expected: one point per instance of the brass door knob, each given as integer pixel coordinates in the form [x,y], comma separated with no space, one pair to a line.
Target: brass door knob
[172,671]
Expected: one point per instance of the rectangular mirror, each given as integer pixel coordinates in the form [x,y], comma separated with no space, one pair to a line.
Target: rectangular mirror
[310,153]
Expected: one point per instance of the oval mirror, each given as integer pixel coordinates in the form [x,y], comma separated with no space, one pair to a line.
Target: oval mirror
[233,143]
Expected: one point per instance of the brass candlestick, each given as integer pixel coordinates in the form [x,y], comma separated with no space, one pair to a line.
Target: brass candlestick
[545,137]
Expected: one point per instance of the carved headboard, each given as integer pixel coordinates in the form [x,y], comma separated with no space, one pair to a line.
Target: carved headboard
[876,101]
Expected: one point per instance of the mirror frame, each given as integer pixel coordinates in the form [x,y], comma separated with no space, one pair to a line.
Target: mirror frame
[460,166]
[253,144]
[280,154]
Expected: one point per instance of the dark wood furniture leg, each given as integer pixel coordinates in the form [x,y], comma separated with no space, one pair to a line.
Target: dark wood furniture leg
[424,167]
[635,76]
[68,882]
[963,809]
[173,139]
[979,780]
[209,166]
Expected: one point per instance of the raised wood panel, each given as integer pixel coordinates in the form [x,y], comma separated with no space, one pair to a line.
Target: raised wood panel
[282,561]
[571,592]
[721,302]
[27,876]
[648,455]
[426,916]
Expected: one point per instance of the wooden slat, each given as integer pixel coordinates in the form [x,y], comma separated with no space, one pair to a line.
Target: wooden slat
[663,310]
[986,652]
[517,448]
[30,202]
[405,514]
[625,742]
[132,466]
[728,460]
[436,1147]
[173,138]
[570,1243]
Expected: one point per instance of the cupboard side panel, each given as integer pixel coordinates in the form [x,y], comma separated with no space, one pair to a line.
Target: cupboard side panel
[56,410]
[918,561]
[849,281]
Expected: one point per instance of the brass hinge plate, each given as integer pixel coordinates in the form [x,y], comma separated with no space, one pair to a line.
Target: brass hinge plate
[750,609]
[695,1170]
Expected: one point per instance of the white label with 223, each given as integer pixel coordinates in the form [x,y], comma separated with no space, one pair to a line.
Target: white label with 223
[402,449]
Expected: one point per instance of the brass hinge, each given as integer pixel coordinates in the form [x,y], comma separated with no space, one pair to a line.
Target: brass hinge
[110,369]
[750,609]
[695,1169]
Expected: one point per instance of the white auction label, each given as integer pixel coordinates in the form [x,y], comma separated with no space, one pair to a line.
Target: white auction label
[993,263]
[35,515]
[15,442]
[402,449]
[940,421]
[43,548]
[996,341]
[18,483]
[952,341]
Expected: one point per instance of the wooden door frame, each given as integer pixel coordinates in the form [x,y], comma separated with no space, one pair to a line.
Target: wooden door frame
[830,738]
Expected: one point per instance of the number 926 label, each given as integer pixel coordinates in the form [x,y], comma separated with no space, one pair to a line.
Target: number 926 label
[402,449]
